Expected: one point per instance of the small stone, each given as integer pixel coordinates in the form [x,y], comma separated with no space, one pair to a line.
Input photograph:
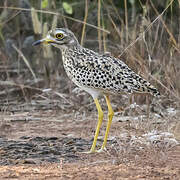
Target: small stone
[29,161]
[52,138]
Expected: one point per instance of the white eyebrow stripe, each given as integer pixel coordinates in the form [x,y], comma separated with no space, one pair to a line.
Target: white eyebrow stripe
[59,31]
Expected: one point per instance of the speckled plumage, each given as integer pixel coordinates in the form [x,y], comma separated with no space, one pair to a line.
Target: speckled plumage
[96,73]
[103,72]
[89,69]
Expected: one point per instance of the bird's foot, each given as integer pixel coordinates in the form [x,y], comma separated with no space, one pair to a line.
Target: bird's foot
[95,151]
[88,152]
[101,150]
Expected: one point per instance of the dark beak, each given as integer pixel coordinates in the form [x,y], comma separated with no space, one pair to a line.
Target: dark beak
[44,41]
[37,43]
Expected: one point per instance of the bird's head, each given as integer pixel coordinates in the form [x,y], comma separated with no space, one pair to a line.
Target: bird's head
[59,37]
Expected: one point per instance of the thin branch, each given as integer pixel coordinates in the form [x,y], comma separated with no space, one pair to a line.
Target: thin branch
[99,25]
[85,20]
[25,60]
[58,14]
[146,30]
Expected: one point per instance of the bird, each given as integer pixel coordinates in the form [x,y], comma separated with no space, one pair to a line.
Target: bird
[97,74]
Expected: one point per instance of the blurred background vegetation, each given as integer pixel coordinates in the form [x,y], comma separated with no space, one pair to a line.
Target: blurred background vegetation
[35,75]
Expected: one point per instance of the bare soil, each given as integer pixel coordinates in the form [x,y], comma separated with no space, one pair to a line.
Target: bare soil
[49,145]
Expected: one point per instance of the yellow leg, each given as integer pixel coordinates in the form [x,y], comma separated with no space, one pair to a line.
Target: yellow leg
[100,118]
[110,116]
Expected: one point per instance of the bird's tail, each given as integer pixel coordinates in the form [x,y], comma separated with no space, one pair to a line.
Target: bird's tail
[150,88]
[145,86]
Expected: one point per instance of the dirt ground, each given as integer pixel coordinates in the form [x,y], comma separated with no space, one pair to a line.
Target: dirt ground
[49,145]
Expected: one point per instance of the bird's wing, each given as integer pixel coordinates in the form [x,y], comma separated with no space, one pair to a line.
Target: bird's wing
[117,71]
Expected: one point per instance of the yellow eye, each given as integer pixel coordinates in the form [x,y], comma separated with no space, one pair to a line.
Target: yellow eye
[59,35]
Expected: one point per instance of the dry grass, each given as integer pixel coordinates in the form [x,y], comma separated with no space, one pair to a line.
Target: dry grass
[148,43]
[148,46]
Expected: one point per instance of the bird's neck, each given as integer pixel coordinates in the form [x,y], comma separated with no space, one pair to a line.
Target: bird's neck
[70,50]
